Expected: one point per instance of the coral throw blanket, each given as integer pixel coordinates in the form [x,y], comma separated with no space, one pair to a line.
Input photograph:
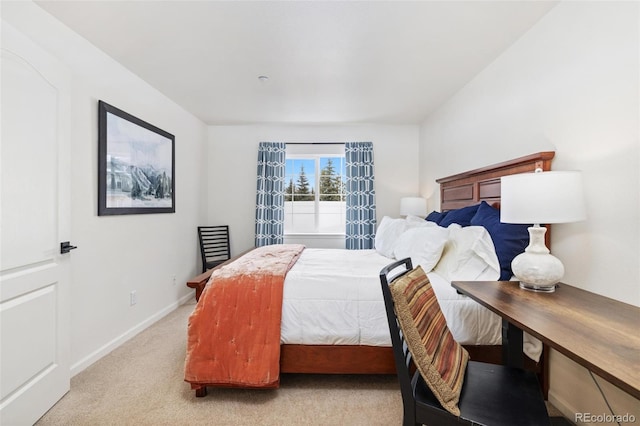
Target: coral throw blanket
[234,331]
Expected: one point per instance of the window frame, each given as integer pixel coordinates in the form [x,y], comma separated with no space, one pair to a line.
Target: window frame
[315,152]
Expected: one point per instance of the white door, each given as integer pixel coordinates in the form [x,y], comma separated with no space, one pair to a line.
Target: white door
[34,219]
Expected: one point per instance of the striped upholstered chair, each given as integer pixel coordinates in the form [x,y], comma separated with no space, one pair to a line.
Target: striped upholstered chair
[438,383]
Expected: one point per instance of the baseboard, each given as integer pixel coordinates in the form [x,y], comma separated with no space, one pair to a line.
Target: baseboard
[560,421]
[564,407]
[113,344]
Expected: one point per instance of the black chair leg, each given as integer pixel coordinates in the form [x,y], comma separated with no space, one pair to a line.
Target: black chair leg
[409,417]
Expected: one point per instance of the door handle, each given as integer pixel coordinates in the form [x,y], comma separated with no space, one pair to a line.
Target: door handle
[66,247]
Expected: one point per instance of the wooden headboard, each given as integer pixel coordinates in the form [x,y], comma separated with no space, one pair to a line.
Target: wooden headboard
[483,184]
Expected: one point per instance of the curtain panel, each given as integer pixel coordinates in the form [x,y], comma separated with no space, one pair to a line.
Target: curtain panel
[360,196]
[270,193]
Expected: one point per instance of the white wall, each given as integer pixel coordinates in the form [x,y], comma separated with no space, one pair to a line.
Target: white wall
[233,155]
[570,85]
[118,254]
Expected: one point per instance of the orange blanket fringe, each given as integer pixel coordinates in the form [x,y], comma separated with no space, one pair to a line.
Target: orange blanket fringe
[234,331]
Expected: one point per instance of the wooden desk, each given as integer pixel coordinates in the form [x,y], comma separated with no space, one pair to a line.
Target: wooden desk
[599,333]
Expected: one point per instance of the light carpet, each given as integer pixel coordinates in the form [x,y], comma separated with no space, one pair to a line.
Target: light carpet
[141,382]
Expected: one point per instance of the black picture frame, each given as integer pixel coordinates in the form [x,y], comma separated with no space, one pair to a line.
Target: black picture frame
[136,165]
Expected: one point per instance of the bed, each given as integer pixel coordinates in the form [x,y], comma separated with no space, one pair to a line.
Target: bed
[317,350]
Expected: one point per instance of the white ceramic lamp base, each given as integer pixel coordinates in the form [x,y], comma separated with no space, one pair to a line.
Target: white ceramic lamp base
[536,268]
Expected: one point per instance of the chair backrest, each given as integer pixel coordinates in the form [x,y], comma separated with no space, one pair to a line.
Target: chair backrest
[214,245]
[401,353]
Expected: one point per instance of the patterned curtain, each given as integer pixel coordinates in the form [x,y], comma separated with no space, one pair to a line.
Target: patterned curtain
[361,196]
[270,194]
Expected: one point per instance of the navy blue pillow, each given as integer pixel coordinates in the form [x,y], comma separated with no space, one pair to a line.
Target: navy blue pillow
[435,216]
[509,239]
[461,216]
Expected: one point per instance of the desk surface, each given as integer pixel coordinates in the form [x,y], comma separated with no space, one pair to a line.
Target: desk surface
[599,333]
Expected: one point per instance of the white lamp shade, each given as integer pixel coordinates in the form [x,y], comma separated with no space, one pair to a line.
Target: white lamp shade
[542,198]
[415,206]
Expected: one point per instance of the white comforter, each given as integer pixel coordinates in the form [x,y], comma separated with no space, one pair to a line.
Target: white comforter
[333,296]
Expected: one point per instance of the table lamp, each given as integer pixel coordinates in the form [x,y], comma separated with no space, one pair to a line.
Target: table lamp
[540,198]
[415,206]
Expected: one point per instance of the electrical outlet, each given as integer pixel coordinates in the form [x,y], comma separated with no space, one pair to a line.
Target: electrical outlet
[133,298]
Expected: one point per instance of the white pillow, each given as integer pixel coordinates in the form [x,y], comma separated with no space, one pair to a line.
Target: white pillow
[387,234]
[423,244]
[468,255]
[415,221]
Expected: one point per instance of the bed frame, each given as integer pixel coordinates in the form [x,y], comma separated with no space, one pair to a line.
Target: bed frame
[456,191]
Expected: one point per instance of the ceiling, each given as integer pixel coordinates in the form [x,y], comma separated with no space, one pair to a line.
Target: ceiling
[327,62]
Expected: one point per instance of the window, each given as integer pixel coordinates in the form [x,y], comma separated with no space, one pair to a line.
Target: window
[314,200]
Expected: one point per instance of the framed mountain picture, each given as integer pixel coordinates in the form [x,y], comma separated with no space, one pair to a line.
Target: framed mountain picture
[136,165]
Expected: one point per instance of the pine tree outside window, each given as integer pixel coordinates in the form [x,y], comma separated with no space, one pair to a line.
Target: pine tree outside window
[315,189]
